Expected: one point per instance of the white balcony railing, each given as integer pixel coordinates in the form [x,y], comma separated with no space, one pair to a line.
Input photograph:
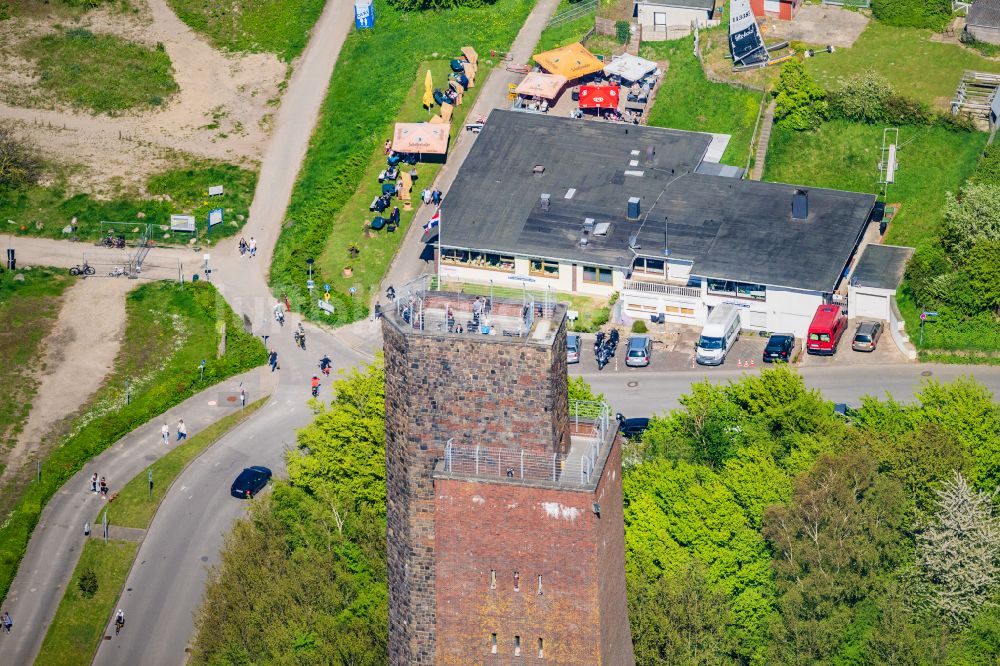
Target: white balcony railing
[660,288]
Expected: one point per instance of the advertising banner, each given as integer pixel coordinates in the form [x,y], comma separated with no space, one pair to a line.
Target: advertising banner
[214,217]
[745,41]
[364,14]
[182,223]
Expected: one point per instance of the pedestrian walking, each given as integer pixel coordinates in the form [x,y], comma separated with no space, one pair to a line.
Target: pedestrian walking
[182,431]
[165,433]
[253,246]
[93,483]
[119,621]
[243,397]
[243,246]
[104,487]
[8,623]
[272,359]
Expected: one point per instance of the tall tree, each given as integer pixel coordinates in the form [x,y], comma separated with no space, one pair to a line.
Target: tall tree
[960,551]
[832,544]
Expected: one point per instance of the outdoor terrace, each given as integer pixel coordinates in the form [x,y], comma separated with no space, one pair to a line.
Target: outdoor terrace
[592,432]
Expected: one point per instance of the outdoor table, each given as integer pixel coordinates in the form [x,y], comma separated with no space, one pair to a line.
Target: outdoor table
[635,106]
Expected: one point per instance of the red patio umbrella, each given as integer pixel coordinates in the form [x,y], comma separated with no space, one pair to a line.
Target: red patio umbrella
[598,97]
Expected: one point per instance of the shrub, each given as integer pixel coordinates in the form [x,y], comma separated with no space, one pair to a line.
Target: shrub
[800,103]
[87,583]
[863,98]
[622,31]
[639,326]
[933,14]
[419,5]
[20,163]
[988,170]
[905,111]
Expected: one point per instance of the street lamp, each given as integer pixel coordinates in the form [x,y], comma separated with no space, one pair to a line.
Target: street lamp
[309,283]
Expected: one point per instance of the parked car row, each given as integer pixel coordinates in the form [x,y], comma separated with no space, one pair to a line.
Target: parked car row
[640,348]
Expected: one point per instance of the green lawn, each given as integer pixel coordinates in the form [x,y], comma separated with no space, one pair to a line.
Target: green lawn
[274,26]
[133,506]
[102,73]
[76,630]
[374,76]
[170,329]
[28,311]
[566,33]
[47,210]
[845,156]
[377,252]
[687,100]
[917,67]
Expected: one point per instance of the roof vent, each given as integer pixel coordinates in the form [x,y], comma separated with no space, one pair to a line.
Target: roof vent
[588,225]
[602,228]
[800,205]
[544,201]
[583,241]
[633,208]
[538,169]
[569,193]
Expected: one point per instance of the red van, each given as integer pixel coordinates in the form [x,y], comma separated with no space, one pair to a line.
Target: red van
[828,325]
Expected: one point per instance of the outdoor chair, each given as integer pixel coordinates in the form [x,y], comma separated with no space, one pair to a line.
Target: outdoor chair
[378,223]
[457,66]
[388,188]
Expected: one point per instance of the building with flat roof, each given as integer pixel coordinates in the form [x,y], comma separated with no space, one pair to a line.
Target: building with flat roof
[597,208]
[506,537]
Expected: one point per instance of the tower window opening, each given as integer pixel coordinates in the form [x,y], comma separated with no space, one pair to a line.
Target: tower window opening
[493,579]
[539,585]
[541,648]
[517,581]
[517,646]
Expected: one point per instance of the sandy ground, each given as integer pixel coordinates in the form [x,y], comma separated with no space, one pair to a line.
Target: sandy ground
[79,352]
[222,111]
[819,25]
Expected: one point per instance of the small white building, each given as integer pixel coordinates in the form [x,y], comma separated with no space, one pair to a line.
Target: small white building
[597,208]
[874,280]
[670,19]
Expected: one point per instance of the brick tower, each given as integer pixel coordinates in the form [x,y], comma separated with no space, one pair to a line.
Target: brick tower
[504,500]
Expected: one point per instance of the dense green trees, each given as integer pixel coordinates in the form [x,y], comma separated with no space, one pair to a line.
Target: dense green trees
[932,14]
[800,102]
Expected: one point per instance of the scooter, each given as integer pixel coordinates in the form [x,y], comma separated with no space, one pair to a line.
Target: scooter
[279,317]
[315,391]
[325,365]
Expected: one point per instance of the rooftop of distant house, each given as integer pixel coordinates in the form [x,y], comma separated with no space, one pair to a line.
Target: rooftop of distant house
[532,183]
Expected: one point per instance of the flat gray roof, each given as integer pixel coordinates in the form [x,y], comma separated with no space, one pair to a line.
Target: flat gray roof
[881,266]
[729,228]
[984,13]
[707,5]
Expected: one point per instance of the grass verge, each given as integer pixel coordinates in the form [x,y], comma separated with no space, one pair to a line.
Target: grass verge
[79,623]
[272,26]
[566,33]
[170,329]
[134,506]
[103,73]
[845,156]
[380,67]
[687,100]
[378,248]
[913,64]
[47,210]
[28,310]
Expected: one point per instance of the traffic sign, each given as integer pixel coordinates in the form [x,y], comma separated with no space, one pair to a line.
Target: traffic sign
[310,285]
[326,287]
[930,313]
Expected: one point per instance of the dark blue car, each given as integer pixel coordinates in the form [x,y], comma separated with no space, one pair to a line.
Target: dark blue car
[250,482]
[779,348]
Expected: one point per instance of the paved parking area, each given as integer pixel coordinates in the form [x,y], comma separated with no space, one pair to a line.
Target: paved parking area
[819,25]
[885,353]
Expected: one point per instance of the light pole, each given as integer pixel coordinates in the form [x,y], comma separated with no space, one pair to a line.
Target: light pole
[309,283]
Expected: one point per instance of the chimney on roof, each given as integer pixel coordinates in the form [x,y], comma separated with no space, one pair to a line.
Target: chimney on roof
[633,208]
[800,205]
[544,201]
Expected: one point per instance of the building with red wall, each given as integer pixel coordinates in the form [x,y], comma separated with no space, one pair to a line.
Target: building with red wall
[781,9]
[504,499]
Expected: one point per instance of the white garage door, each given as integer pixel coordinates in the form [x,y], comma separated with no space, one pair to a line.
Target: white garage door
[788,322]
[753,319]
[871,306]
[772,6]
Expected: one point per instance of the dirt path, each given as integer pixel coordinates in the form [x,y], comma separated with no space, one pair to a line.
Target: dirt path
[222,111]
[79,352]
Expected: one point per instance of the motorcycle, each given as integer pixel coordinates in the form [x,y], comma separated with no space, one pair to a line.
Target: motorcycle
[605,347]
[324,365]
[315,391]
[300,337]
[85,269]
[599,341]
[113,241]
[279,317]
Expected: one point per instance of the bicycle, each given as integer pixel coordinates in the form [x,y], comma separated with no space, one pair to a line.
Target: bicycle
[85,269]
[119,625]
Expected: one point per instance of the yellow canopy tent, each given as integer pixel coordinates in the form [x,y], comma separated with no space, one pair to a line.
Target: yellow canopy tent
[428,90]
[571,61]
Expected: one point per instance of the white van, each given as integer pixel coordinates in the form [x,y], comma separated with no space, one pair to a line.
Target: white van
[719,335]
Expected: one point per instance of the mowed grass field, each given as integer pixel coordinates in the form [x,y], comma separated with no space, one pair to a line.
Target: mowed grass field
[687,100]
[845,156]
[913,64]
[269,26]
[101,73]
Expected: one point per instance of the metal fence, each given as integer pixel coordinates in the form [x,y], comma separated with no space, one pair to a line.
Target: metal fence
[573,13]
[856,4]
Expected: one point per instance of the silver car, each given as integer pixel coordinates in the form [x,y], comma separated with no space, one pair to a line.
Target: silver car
[866,337]
[639,348]
[572,348]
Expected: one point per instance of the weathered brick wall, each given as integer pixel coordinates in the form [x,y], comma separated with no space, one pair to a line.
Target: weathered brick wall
[616,634]
[491,391]
[581,615]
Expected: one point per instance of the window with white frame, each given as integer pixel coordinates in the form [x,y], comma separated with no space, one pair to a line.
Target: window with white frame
[660,18]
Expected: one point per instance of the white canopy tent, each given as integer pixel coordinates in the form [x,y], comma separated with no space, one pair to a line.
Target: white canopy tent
[629,67]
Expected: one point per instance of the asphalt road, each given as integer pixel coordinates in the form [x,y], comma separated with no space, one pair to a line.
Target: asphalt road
[636,392]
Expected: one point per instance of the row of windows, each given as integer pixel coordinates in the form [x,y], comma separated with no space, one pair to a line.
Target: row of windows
[517,581]
[517,646]
[757,292]
[668,309]
[649,266]
[505,263]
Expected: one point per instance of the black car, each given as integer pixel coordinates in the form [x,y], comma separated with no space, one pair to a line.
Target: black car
[250,482]
[779,348]
[631,428]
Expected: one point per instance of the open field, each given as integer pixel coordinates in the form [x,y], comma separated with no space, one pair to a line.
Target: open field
[101,73]
[687,100]
[845,156]
[916,66]
[47,210]
[272,26]
[170,329]
[341,153]
[79,622]
[28,311]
